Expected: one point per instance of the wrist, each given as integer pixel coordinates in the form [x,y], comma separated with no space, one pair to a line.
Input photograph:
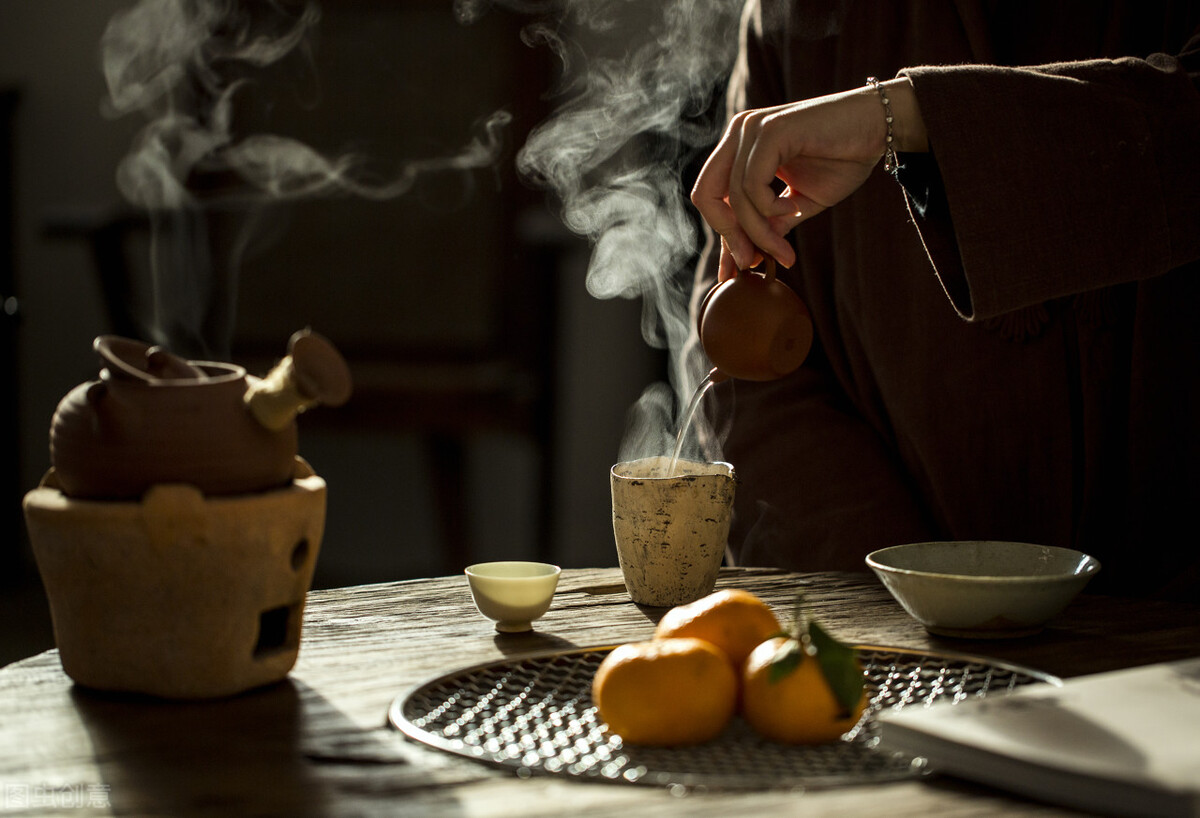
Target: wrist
[908,126]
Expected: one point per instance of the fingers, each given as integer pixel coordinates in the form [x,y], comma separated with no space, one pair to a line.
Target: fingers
[710,195]
[800,208]
[752,195]
[735,195]
[728,267]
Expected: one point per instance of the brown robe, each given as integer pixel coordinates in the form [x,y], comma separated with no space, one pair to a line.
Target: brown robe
[1021,359]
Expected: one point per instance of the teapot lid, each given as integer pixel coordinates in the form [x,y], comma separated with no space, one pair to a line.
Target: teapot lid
[127,359]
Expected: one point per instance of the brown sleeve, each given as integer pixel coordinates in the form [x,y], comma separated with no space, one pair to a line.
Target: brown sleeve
[1060,178]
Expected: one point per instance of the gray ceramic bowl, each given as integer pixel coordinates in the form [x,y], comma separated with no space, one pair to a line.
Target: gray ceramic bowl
[982,589]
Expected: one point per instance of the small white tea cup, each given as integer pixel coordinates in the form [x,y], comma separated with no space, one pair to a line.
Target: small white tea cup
[513,593]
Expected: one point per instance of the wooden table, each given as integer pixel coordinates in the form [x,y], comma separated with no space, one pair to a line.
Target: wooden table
[319,744]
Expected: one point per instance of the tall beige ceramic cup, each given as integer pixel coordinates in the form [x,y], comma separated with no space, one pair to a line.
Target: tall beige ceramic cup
[671,531]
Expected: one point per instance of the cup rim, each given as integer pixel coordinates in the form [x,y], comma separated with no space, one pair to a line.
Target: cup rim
[532,570]
[1086,567]
[722,469]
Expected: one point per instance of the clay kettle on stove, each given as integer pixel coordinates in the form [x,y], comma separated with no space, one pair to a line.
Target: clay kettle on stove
[754,327]
[153,418]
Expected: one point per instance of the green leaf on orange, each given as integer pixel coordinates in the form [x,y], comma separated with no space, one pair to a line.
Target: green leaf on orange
[839,665]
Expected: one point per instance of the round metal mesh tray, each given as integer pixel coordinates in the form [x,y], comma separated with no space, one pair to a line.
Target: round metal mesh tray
[534,714]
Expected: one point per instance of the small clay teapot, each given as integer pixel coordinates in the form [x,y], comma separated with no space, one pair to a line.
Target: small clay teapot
[754,327]
[152,418]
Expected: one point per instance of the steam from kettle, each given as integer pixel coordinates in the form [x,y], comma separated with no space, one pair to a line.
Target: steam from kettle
[181,63]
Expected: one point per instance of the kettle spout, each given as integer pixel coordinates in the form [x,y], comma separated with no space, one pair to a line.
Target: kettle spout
[312,373]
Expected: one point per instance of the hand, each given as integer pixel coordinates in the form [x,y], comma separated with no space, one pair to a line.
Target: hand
[823,149]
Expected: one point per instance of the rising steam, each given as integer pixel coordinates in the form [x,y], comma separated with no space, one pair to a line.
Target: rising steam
[181,64]
[640,101]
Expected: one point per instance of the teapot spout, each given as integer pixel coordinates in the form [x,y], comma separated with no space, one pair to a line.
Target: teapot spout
[715,375]
[312,373]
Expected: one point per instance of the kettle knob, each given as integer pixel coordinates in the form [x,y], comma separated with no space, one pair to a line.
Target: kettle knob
[754,327]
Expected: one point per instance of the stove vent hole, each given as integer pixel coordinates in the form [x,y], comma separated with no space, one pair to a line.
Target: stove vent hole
[299,554]
[278,629]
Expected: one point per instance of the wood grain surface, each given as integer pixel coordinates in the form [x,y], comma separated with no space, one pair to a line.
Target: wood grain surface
[319,744]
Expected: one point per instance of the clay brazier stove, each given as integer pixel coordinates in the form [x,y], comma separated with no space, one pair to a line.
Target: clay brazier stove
[177,529]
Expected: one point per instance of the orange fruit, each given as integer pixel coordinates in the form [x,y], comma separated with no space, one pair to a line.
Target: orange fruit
[734,620]
[666,692]
[797,706]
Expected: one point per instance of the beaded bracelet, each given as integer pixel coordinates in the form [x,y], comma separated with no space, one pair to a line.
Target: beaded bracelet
[890,162]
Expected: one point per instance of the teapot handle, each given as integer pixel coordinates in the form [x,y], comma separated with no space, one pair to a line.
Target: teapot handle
[312,373]
[768,271]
